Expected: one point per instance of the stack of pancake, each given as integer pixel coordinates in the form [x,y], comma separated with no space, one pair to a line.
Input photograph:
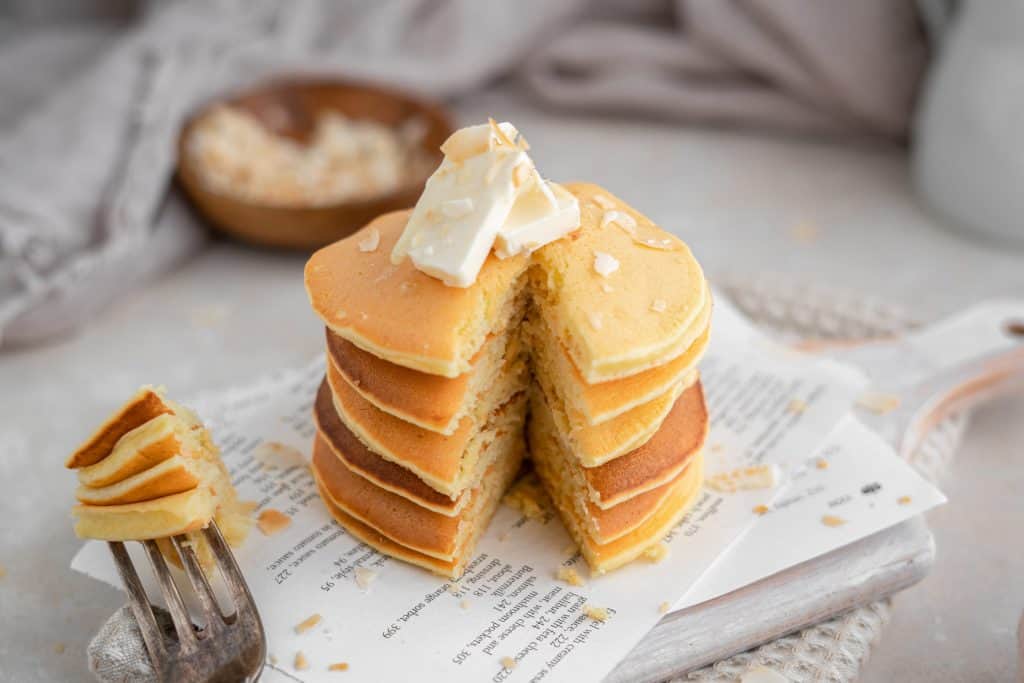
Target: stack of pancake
[152,471]
[420,417]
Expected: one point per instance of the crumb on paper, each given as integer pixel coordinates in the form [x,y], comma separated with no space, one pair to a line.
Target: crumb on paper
[663,608]
[370,241]
[308,623]
[276,455]
[464,604]
[338,666]
[272,521]
[797,406]
[605,264]
[878,403]
[717,448]
[58,648]
[832,520]
[528,497]
[656,553]
[364,577]
[804,232]
[301,663]
[508,663]
[570,576]
[764,476]
[761,509]
[503,536]
[452,588]
[272,659]
[569,550]
[821,464]
[903,500]
[596,613]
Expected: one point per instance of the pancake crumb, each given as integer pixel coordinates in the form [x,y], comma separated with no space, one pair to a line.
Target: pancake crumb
[760,509]
[596,613]
[338,666]
[656,553]
[464,604]
[272,521]
[570,576]
[370,241]
[763,476]
[452,588]
[528,497]
[663,608]
[364,577]
[569,550]
[902,500]
[301,663]
[878,403]
[832,520]
[58,648]
[605,264]
[717,448]
[272,659]
[503,536]
[308,623]
[659,305]
[797,406]
[821,464]
[508,663]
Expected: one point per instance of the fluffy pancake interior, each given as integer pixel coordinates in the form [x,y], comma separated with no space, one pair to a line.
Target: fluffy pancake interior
[407,524]
[144,447]
[606,556]
[592,404]
[445,463]
[429,401]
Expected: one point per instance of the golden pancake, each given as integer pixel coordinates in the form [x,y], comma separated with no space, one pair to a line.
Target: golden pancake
[655,463]
[424,531]
[593,404]
[146,404]
[445,463]
[429,401]
[157,518]
[604,557]
[654,302]
[174,475]
[402,315]
[146,446]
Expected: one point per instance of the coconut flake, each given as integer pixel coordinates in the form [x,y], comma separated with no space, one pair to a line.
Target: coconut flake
[364,577]
[603,201]
[659,305]
[595,319]
[605,264]
[370,241]
[621,219]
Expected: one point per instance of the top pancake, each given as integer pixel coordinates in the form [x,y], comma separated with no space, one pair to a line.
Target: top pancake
[402,315]
[145,405]
[644,314]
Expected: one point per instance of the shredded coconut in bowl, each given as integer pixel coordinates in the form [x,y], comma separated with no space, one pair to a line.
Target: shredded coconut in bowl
[346,159]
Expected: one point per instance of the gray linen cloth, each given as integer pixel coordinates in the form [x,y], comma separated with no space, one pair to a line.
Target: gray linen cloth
[84,177]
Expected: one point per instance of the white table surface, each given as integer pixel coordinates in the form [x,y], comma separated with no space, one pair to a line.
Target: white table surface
[234,312]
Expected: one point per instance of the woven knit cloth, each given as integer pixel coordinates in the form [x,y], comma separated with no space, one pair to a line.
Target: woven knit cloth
[832,651]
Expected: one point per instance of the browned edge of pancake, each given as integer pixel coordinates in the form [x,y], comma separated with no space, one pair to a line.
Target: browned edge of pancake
[130,416]
[680,436]
[365,462]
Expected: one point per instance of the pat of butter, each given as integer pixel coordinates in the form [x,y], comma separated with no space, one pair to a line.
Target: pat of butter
[533,221]
[485,194]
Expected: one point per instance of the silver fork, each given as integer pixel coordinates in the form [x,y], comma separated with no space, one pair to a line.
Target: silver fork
[228,648]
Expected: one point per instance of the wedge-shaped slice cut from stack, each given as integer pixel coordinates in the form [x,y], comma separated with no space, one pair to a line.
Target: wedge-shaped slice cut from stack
[617,414]
[152,471]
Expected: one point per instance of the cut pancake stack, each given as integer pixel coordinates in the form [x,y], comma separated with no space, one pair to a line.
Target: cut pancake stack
[420,417]
[151,471]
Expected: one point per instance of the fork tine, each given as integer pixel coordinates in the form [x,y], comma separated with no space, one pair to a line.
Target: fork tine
[200,584]
[240,595]
[152,635]
[182,621]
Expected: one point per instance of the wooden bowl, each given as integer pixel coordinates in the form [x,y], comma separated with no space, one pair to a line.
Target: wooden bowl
[290,108]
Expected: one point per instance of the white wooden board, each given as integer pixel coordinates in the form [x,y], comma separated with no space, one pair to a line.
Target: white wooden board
[806,594]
